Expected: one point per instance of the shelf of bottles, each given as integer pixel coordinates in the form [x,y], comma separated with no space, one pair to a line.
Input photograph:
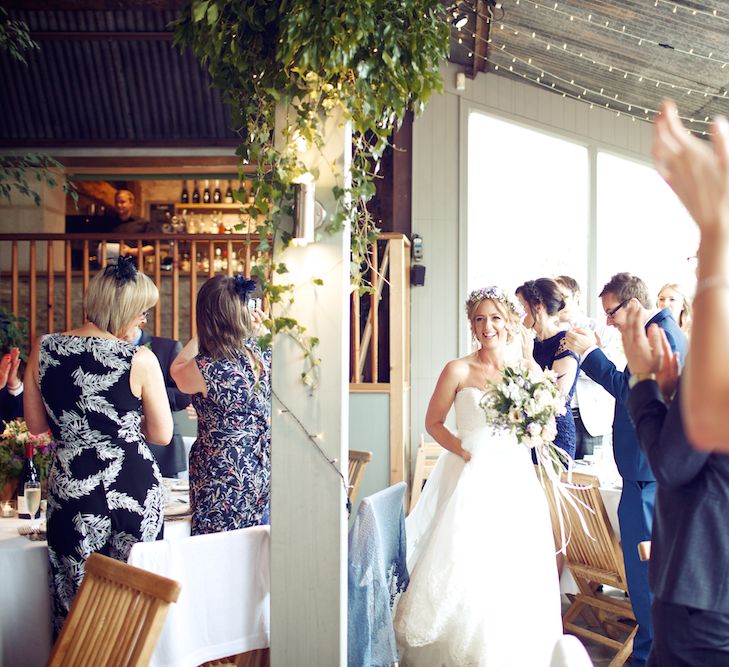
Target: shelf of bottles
[211,210]
[208,207]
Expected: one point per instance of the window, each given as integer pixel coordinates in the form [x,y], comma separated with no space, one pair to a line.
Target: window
[527,205]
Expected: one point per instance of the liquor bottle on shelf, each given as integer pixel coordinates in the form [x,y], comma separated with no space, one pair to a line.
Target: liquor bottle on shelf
[218,261]
[229,193]
[185,195]
[195,193]
[206,192]
[217,195]
[28,474]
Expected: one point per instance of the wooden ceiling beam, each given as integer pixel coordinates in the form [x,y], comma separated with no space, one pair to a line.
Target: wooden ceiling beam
[478,64]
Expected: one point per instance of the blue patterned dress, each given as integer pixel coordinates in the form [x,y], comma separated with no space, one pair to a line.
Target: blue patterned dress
[546,352]
[230,462]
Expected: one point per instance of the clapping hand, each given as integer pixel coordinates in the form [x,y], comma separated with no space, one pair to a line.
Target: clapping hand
[579,340]
[650,353]
[697,172]
[9,365]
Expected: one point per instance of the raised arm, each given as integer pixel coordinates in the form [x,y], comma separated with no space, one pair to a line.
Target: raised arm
[147,381]
[699,175]
[184,370]
[439,406]
[34,410]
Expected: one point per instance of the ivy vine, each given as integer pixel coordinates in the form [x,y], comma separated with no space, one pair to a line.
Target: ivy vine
[373,59]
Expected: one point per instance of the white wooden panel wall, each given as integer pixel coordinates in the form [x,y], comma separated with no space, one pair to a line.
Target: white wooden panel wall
[439,163]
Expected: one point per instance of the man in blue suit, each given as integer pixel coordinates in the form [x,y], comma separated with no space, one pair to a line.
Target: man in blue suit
[625,293]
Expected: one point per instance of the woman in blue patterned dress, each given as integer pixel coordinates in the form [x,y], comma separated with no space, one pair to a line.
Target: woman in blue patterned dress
[542,301]
[229,378]
[103,399]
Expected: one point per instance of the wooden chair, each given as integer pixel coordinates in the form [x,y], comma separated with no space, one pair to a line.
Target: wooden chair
[425,460]
[357,462]
[595,560]
[116,616]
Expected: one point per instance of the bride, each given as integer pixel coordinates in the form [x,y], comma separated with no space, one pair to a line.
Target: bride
[483,577]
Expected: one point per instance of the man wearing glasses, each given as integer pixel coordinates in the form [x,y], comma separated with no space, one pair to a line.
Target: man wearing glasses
[625,293]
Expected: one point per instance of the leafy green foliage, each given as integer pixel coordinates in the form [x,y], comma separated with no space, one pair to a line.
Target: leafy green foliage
[23,173]
[374,60]
[13,332]
[15,37]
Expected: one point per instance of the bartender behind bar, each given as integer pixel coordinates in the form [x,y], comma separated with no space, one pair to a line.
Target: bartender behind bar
[127,224]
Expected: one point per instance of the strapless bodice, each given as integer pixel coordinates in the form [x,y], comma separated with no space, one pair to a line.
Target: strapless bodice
[469,415]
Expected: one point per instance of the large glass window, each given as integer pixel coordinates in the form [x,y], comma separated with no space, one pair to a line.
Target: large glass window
[528,214]
[527,204]
[641,226]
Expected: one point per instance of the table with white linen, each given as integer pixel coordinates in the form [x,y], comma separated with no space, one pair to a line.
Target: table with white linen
[224,603]
[25,608]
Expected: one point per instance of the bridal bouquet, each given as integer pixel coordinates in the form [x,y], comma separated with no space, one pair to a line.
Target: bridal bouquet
[526,403]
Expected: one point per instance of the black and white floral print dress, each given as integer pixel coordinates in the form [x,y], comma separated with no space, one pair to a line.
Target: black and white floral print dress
[105,491]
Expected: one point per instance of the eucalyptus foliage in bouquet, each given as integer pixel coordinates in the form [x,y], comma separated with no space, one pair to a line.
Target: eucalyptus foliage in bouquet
[13,440]
[526,403]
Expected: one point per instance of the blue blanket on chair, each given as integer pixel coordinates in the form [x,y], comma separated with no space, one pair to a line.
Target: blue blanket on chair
[377,573]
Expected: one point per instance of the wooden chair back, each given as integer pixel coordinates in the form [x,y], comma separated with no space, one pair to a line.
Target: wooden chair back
[595,560]
[425,460]
[358,460]
[116,617]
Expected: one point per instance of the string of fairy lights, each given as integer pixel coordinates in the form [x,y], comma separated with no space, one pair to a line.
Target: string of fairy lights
[640,78]
[675,8]
[573,89]
[622,30]
[315,439]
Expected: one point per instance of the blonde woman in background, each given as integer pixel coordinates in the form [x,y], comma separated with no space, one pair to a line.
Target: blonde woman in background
[672,296]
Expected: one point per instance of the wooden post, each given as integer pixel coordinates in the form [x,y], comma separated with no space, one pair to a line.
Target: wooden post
[308,512]
[398,353]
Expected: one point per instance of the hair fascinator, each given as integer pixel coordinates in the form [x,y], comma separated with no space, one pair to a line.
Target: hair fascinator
[242,286]
[124,270]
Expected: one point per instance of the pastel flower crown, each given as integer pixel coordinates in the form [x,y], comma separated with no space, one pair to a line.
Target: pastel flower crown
[497,294]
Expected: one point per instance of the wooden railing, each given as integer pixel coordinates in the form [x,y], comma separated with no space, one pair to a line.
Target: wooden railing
[380,340]
[43,278]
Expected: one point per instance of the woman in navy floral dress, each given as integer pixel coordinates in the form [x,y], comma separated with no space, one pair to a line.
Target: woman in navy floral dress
[229,378]
[542,301]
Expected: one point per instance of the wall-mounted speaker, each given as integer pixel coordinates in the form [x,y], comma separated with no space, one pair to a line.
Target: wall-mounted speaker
[417,274]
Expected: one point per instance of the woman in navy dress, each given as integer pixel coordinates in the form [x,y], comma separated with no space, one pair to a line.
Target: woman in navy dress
[542,301]
[104,399]
[229,378]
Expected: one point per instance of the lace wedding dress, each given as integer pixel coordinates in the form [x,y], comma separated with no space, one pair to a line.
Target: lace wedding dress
[483,578]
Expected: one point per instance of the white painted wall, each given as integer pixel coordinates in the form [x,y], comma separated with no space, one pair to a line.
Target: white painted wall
[439,201]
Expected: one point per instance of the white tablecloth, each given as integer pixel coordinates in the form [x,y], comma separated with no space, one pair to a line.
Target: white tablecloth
[25,611]
[223,608]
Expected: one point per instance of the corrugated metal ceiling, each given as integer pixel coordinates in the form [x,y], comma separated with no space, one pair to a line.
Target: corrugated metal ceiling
[108,78]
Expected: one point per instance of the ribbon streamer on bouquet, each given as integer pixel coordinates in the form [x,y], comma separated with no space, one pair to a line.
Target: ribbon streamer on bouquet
[552,462]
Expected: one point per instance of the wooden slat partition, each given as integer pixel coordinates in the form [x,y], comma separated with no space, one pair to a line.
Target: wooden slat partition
[175,312]
[50,282]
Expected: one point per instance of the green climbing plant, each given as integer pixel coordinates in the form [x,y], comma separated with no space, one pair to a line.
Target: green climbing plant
[373,60]
[23,173]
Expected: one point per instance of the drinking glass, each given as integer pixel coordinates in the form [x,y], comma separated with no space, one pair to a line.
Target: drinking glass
[32,493]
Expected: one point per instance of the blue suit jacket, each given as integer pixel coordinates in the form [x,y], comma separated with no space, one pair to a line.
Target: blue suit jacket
[632,463]
[10,406]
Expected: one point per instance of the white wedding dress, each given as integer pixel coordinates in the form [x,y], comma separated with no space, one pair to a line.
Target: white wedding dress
[483,577]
